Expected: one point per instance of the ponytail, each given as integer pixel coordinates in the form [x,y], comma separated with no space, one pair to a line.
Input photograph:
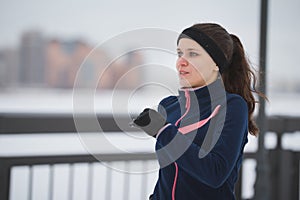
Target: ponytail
[238,78]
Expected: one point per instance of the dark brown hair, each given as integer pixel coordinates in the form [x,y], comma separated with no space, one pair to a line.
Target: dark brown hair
[238,77]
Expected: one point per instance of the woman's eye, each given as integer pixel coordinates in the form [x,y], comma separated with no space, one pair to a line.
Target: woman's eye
[193,54]
[179,54]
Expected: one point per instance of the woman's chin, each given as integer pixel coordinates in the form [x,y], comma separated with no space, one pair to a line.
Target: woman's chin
[185,84]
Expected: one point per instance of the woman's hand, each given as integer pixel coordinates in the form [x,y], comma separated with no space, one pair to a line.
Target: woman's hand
[150,121]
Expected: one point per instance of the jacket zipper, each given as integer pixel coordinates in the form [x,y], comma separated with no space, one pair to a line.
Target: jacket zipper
[187,129]
[187,106]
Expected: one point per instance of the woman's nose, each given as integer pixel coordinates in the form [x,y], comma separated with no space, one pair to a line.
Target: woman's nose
[181,62]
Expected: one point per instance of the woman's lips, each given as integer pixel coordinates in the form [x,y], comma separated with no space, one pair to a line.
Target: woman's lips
[183,73]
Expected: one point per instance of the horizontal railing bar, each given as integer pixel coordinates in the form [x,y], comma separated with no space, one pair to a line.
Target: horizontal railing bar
[250,155]
[21,123]
[284,124]
[57,123]
[83,158]
[68,159]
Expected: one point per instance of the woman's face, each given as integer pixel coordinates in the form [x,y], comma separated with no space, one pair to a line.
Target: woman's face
[194,65]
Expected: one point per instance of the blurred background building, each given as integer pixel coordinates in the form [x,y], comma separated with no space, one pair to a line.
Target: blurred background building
[32,65]
[9,67]
[41,62]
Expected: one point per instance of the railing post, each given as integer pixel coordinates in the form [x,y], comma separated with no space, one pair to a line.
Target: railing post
[287,178]
[285,174]
[296,176]
[4,179]
[262,183]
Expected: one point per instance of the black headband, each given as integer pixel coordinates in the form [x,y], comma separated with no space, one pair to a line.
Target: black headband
[208,44]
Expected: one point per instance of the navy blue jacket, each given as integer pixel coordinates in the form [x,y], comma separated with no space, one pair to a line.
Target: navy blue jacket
[202,164]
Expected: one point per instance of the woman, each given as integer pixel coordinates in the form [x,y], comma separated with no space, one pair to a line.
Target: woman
[201,133]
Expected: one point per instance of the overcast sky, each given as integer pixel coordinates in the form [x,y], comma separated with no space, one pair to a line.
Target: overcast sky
[96,21]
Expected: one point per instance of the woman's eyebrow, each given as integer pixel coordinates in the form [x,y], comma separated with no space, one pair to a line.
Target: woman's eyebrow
[189,49]
[192,49]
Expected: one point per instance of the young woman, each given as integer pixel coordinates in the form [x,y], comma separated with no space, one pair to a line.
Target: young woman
[201,133]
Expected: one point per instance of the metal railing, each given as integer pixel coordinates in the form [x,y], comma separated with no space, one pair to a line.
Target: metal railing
[284,163]
[8,163]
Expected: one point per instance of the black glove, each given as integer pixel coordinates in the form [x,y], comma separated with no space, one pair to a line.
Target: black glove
[150,121]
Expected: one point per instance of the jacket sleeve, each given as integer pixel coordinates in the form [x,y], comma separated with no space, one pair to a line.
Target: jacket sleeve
[214,168]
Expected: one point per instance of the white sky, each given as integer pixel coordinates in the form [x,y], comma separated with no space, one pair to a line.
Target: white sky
[97,21]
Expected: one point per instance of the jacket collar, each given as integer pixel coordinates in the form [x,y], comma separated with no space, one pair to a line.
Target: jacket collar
[206,93]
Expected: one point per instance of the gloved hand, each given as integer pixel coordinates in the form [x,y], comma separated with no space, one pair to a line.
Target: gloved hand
[150,121]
